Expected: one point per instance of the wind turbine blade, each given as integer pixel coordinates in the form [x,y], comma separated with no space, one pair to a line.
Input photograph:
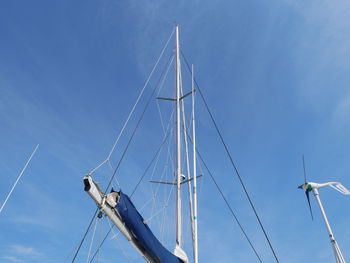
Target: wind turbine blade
[304,169]
[340,188]
[308,200]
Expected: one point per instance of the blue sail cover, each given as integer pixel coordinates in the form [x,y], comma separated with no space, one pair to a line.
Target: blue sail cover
[143,234]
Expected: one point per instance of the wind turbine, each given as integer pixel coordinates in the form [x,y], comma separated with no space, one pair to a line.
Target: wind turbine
[313,187]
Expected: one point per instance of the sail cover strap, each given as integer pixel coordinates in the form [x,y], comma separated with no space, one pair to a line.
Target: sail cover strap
[142,233]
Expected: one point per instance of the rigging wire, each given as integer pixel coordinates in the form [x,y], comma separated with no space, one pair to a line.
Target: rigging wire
[84,236]
[137,125]
[92,240]
[115,235]
[99,251]
[136,103]
[122,157]
[70,253]
[155,190]
[159,84]
[141,178]
[219,189]
[165,130]
[132,193]
[233,164]
[101,244]
[149,165]
[165,177]
[226,202]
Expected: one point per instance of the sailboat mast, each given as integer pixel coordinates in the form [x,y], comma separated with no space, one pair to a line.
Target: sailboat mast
[178,145]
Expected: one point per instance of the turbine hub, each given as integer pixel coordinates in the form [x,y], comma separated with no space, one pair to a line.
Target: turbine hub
[307,187]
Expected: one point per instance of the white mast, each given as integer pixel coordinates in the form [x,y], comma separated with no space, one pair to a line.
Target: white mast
[195,248]
[178,146]
[340,188]
[178,248]
[107,203]
[189,178]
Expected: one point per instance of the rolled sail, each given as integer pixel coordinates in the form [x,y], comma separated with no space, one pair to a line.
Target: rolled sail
[120,210]
[143,234]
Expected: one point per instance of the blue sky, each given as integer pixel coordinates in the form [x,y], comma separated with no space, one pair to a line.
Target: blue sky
[275,74]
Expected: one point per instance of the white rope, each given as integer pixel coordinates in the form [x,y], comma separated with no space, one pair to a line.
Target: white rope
[112,170]
[164,215]
[117,243]
[92,241]
[159,211]
[169,145]
[161,85]
[167,197]
[145,204]
[164,175]
[156,190]
[18,178]
[160,89]
[99,249]
[97,167]
[133,108]
[154,215]
[115,235]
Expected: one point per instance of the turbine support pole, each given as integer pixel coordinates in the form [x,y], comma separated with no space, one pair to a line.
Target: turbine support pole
[337,253]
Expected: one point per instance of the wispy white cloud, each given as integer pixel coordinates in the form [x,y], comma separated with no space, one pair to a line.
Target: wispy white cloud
[33,220]
[37,121]
[18,253]
[341,113]
[24,250]
[320,52]
[13,259]
[47,209]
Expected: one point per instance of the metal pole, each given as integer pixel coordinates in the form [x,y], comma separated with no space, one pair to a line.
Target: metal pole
[195,252]
[337,253]
[178,146]
[188,173]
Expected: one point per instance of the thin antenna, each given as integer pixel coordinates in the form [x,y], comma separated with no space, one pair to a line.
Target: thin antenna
[18,178]
[195,234]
